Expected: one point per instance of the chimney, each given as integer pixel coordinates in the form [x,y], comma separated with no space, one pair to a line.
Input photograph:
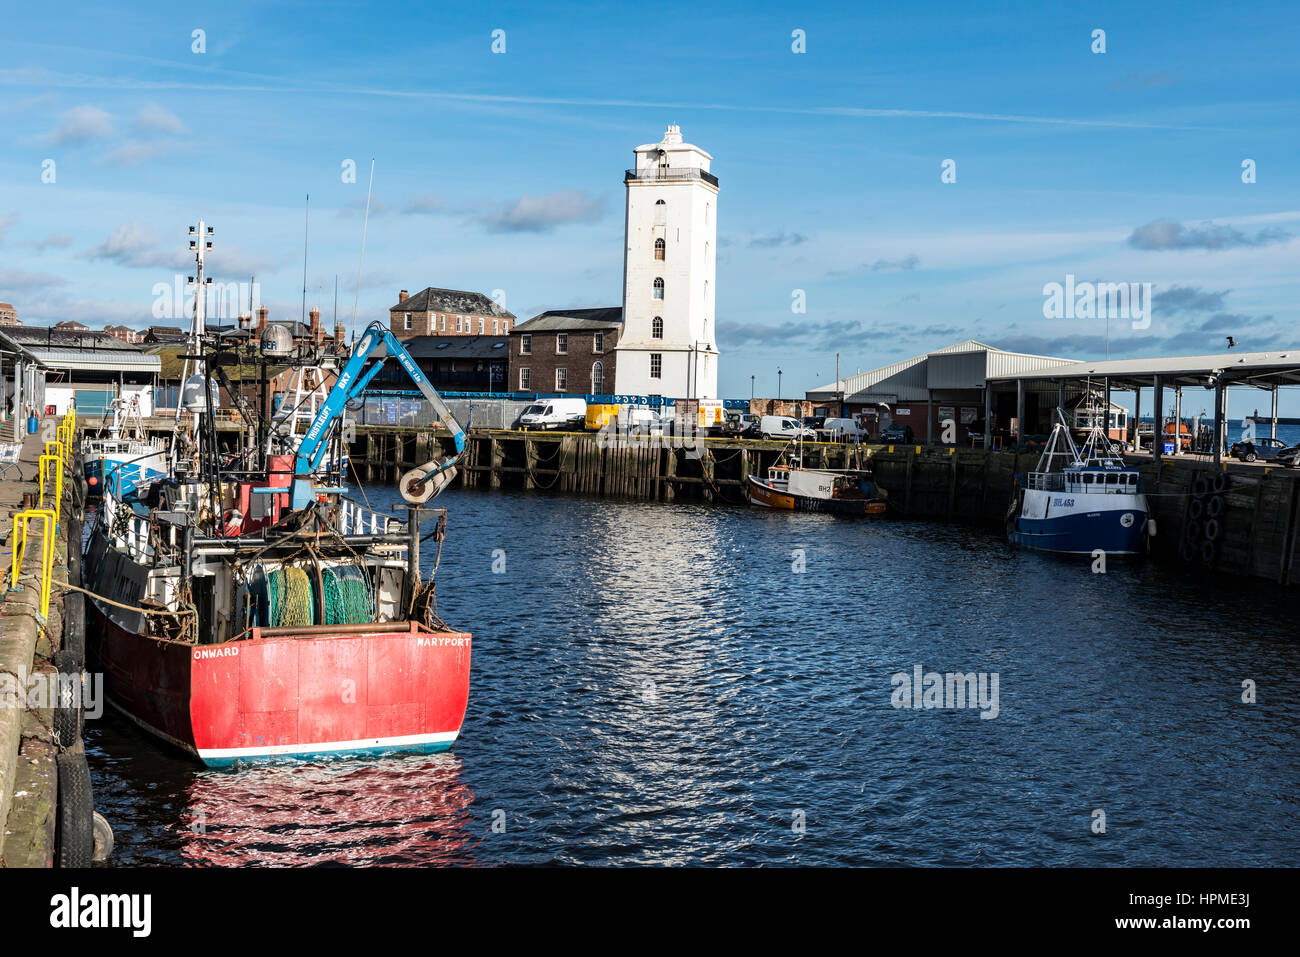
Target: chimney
[403,296]
[316,331]
[340,339]
[261,319]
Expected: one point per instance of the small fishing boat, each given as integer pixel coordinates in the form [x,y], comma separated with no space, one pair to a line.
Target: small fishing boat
[1081,498]
[793,488]
[122,455]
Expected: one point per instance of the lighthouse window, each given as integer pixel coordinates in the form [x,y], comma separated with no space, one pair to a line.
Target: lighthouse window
[656,365]
[659,249]
[657,327]
[660,202]
[659,288]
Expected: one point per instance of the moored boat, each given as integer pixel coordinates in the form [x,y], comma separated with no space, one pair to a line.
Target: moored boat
[122,455]
[797,489]
[1080,499]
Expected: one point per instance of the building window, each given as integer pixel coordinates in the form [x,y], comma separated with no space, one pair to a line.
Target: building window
[660,202]
[598,378]
[598,344]
[659,288]
[444,323]
[657,327]
[561,343]
[526,345]
[656,365]
[561,380]
[458,328]
[659,249]
[496,327]
[525,380]
[408,321]
[482,322]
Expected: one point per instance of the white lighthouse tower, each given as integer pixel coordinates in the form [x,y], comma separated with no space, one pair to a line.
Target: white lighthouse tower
[667,346]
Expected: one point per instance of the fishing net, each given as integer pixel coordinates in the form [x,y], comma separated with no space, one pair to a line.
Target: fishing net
[290,597]
[347,596]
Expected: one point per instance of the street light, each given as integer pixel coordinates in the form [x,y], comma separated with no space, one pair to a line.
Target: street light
[778,385]
[751,388]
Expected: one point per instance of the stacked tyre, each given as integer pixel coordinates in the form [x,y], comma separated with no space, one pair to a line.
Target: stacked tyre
[1202,525]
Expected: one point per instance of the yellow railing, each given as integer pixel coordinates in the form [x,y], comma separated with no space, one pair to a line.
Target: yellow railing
[57,462]
[48,520]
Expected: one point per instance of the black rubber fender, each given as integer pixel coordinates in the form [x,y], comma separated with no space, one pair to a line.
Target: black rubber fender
[1208,551]
[69,715]
[1219,483]
[1200,485]
[75,832]
[1212,529]
[1195,508]
[74,626]
[1188,552]
[1192,531]
[1215,506]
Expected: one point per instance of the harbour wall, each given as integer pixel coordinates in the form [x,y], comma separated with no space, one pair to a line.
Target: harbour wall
[1234,518]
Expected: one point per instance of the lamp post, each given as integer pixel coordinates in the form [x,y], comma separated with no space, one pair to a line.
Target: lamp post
[778,385]
[751,388]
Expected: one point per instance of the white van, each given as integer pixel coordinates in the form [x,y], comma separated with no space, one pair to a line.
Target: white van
[554,414]
[843,430]
[783,427]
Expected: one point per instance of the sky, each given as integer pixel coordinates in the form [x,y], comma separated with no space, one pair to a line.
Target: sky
[501,172]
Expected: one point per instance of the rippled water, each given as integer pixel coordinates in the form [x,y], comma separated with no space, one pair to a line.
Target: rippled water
[656,685]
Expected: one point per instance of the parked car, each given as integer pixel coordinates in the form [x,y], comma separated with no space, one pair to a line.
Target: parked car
[1290,457]
[784,427]
[897,434]
[843,430]
[1265,449]
[554,414]
[739,423]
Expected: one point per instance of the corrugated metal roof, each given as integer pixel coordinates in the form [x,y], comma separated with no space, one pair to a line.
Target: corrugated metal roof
[1235,364]
[84,359]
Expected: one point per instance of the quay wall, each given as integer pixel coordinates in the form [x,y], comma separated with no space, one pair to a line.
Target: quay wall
[1255,531]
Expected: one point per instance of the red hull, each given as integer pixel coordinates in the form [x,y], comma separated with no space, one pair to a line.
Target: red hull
[276,698]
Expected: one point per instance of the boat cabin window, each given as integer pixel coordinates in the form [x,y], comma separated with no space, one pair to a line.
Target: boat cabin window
[1087,478]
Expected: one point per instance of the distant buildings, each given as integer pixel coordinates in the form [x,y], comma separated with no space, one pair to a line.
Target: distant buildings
[8,315]
[125,333]
[566,350]
[90,368]
[453,364]
[447,312]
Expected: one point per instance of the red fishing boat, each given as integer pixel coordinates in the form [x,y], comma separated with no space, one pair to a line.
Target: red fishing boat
[244,609]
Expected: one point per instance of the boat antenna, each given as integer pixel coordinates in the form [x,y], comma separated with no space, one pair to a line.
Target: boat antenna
[364,223]
[306,223]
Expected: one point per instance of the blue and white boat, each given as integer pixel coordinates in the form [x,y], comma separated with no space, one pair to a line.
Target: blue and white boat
[122,457]
[1082,498]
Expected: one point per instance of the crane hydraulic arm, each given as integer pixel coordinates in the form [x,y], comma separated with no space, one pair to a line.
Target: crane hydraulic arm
[418,485]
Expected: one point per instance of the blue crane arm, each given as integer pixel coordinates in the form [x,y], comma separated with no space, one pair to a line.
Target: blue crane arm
[352,381]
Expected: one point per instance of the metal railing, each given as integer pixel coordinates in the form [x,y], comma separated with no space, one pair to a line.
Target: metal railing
[54,461]
[356,519]
[652,174]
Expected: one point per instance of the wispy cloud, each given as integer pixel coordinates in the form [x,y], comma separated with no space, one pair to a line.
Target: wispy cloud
[540,214]
[1187,299]
[133,245]
[1167,234]
[778,239]
[80,125]
[16,280]
[823,335]
[153,119]
[906,264]
[5,223]
[426,204]
[135,152]
[53,241]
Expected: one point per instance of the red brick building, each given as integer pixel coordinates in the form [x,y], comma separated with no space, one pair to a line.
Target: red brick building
[448,312]
[566,350]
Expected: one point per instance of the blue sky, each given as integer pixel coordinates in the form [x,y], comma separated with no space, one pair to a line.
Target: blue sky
[504,171]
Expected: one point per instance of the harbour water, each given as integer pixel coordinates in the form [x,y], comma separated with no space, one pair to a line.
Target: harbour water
[693,684]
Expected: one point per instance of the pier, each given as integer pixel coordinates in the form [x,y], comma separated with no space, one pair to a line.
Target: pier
[46,803]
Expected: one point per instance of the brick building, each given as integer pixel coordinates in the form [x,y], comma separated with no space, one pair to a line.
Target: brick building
[8,315]
[125,333]
[453,364]
[448,312]
[566,350]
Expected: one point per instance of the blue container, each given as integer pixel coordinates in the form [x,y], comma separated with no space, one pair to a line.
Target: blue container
[33,424]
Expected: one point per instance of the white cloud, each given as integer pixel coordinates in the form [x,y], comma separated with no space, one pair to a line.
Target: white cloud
[152,118]
[81,124]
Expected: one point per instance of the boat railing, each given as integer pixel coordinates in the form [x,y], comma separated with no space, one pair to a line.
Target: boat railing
[356,519]
[1046,481]
[131,534]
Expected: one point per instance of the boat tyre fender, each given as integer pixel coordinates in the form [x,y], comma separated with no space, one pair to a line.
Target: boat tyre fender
[75,836]
[103,838]
[1208,552]
[1219,483]
[1195,508]
[74,548]
[1212,530]
[74,627]
[1200,485]
[1188,551]
[1192,531]
[68,714]
[1214,507]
